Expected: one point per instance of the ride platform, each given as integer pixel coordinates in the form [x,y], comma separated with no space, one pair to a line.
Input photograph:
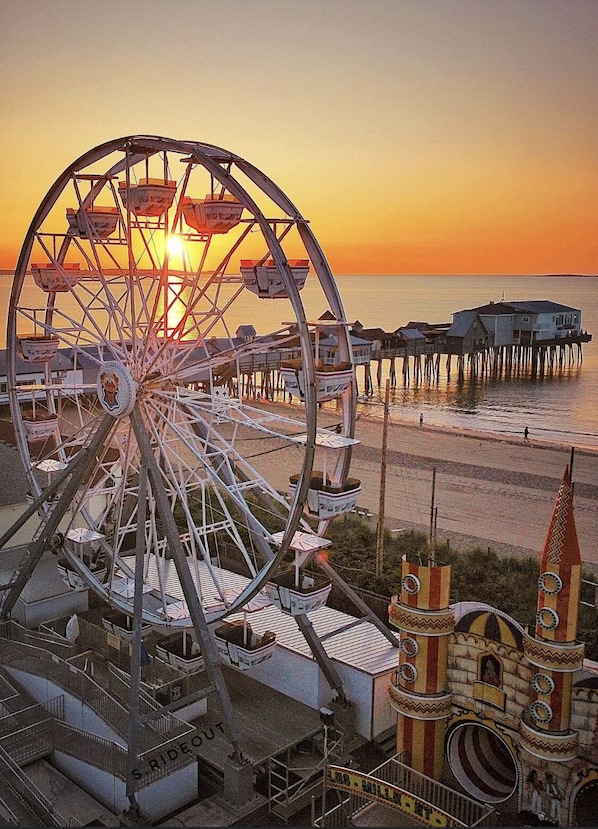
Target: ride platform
[269,722]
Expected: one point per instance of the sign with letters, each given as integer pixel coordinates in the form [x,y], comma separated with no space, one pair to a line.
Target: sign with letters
[365,785]
[177,752]
[113,641]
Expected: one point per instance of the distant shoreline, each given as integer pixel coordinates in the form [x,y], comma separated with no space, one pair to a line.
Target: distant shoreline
[11,271]
[567,276]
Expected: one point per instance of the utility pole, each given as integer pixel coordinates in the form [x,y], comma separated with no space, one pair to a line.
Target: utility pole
[327,719]
[432,520]
[380,530]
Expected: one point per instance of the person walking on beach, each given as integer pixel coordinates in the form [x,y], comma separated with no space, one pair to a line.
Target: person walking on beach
[421,419]
[526,435]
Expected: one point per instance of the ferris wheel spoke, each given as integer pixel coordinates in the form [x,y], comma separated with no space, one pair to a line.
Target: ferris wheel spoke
[218,480]
[192,321]
[212,461]
[201,419]
[94,305]
[270,423]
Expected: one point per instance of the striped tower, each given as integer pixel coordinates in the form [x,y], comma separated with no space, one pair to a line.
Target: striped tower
[553,650]
[418,692]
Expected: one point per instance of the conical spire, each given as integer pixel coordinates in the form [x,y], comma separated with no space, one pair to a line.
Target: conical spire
[560,572]
[561,548]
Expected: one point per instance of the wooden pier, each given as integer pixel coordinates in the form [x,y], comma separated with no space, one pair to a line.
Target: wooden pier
[424,365]
[428,363]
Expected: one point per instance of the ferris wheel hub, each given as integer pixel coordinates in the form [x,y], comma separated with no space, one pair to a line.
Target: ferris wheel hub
[117,391]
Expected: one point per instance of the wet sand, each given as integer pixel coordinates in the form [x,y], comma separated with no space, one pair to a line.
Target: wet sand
[489,490]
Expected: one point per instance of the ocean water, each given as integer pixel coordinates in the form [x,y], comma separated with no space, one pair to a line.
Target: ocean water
[559,407]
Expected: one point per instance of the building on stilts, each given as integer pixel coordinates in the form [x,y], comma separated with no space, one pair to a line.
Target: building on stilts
[529,338]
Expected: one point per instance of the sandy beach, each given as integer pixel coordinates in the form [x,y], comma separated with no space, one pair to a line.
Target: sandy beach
[489,490]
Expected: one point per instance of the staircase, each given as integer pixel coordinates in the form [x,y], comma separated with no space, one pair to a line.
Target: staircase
[387,742]
[23,799]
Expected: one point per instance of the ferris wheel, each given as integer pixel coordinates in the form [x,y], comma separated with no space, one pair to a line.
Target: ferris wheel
[128,342]
[125,310]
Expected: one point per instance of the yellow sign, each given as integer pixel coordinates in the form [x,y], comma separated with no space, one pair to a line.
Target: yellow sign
[113,641]
[364,785]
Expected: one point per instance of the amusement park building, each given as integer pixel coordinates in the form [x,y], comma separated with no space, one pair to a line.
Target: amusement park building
[494,705]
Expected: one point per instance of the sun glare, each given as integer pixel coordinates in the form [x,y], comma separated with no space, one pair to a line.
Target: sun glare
[175,246]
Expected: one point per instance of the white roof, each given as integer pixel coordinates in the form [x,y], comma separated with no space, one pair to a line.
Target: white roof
[328,439]
[361,646]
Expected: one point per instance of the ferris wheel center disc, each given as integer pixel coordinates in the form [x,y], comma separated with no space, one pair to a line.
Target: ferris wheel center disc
[116,389]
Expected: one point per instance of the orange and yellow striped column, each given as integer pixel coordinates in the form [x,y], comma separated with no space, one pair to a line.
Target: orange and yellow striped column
[418,692]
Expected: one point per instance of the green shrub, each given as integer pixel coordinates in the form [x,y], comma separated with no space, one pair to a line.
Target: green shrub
[508,583]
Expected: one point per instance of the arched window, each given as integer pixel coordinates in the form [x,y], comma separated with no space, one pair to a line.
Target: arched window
[490,670]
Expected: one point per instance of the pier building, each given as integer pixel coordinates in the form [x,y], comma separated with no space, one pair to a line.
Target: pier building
[496,340]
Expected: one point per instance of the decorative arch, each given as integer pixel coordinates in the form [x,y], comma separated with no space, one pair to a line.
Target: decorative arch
[483,761]
[582,804]
[492,624]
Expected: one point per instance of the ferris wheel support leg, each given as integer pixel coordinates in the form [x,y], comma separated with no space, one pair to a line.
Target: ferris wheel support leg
[320,655]
[348,591]
[36,548]
[134,712]
[41,499]
[212,659]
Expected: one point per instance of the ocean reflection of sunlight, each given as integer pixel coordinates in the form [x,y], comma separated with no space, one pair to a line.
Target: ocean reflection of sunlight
[175,307]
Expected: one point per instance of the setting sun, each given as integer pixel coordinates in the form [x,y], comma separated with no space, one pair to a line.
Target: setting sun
[175,246]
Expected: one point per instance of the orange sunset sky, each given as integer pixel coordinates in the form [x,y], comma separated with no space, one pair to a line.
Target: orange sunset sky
[418,136]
